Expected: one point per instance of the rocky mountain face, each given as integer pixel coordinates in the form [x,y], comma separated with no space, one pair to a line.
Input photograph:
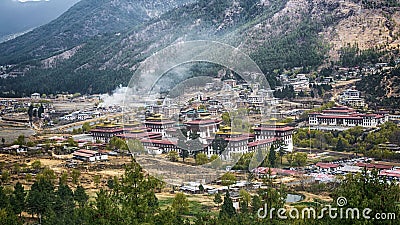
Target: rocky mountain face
[107,41]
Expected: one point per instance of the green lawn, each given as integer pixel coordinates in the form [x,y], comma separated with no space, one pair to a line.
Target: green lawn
[195,207]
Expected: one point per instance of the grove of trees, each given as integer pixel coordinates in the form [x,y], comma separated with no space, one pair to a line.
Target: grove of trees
[131,199]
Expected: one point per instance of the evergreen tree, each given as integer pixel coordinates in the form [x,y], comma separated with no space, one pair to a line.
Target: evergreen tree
[4,199]
[219,145]
[217,198]
[201,159]
[272,156]
[18,199]
[30,112]
[168,217]
[40,111]
[184,154]
[41,197]
[281,150]
[201,188]
[75,176]
[80,196]
[135,193]
[256,203]
[245,199]
[180,204]
[64,205]
[227,209]
[340,145]
[368,190]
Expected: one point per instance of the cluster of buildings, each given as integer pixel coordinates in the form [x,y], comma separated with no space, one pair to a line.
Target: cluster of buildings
[11,106]
[343,116]
[90,155]
[157,133]
[385,169]
[162,126]
[300,82]
[96,112]
[352,98]
[80,116]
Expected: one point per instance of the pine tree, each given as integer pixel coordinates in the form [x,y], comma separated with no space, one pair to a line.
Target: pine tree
[340,145]
[41,196]
[227,209]
[40,111]
[80,196]
[18,199]
[64,204]
[30,111]
[217,199]
[180,204]
[256,203]
[201,188]
[272,156]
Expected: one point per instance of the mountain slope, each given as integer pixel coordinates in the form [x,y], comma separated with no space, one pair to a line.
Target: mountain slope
[84,20]
[276,34]
[382,89]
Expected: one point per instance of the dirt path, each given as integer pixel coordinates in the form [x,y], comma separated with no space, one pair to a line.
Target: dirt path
[311,197]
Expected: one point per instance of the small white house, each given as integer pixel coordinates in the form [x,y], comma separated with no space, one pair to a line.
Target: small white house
[35,96]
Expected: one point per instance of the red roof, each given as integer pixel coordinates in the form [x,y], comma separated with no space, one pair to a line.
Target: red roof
[107,130]
[249,134]
[265,170]
[377,166]
[340,117]
[139,135]
[163,142]
[390,173]
[375,115]
[274,128]
[349,115]
[80,154]
[261,142]
[87,151]
[240,138]
[327,165]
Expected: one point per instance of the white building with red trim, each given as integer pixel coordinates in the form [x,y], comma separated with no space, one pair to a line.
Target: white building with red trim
[279,131]
[345,117]
[157,124]
[205,128]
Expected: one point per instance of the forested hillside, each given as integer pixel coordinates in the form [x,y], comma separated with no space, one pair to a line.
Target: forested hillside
[131,199]
[382,88]
[100,46]
[86,19]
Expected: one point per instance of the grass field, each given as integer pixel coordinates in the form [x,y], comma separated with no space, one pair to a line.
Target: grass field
[198,204]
